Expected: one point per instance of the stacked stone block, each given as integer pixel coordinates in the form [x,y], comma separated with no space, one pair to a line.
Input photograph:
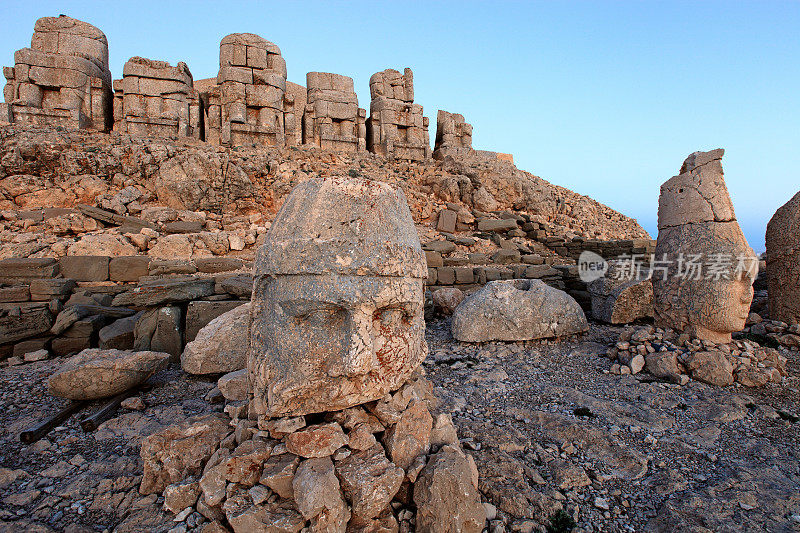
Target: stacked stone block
[333,120]
[396,126]
[247,105]
[453,135]
[294,109]
[155,99]
[62,79]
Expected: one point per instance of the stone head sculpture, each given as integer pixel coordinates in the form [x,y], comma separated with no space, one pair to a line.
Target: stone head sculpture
[337,315]
[704,272]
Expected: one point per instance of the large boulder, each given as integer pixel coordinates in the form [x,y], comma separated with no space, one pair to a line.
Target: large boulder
[96,373]
[783,262]
[703,283]
[620,298]
[221,346]
[517,310]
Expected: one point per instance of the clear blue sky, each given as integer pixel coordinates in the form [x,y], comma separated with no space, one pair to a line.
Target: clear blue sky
[605,98]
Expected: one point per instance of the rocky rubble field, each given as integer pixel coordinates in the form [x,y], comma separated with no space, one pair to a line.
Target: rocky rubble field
[556,437]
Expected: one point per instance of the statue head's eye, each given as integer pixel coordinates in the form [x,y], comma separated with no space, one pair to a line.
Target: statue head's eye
[319,316]
[392,315]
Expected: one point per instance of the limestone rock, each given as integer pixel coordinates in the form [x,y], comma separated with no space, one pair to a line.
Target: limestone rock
[233,385]
[103,244]
[319,497]
[163,291]
[411,436]
[783,262]
[279,472]
[447,299]
[516,310]
[619,300]
[446,498]
[179,451]
[221,346]
[696,220]
[96,373]
[179,496]
[710,367]
[316,441]
[369,481]
[338,299]
[270,518]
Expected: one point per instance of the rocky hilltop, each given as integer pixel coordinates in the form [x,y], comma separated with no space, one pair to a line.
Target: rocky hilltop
[46,167]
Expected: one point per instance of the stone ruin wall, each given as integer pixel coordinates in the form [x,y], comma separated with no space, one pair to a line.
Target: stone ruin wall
[63,79]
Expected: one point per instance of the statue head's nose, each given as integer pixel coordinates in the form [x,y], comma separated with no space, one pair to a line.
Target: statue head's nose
[359,356]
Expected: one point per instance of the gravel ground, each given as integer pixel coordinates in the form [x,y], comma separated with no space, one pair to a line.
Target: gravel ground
[556,437]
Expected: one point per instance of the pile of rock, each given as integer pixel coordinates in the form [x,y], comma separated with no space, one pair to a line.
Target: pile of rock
[380,466]
[787,335]
[676,358]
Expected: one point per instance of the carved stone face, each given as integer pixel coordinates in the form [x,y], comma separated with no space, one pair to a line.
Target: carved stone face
[711,308]
[337,312]
[334,341]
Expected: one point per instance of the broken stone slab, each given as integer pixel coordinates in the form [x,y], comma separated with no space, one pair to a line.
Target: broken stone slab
[445,496]
[319,440]
[319,497]
[183,226]
[239,285]
[119,334]
[162,267]
[200,313]
[129,268]
[221,346]
[516,310]
[15,293]
[28,268]
[72,314]
[369,481]
[503,225]
[233,385]
[23,320]
[85,268]
[43,290]
[215,265]
[618,300]
[109,217]
[96,373]
[180,451]
[158,292]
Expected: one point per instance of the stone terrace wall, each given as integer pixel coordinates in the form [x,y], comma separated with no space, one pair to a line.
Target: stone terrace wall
[66,305]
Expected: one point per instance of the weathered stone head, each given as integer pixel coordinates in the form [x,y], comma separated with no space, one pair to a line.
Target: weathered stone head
[338,299]
[704,271]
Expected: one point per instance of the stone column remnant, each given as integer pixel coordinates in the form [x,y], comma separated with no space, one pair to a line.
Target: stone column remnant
[294,109]
[247,104]
[155,99]
[783,262]
[396,126]
[62,79]
[337,312]
[453,135]
[704,270]
[333,120]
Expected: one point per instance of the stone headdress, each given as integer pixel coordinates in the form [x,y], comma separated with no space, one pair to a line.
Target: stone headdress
[343,226]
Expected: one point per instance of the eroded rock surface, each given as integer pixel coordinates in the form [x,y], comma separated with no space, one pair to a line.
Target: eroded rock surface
[696,224]
[98,373]
[517,310]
